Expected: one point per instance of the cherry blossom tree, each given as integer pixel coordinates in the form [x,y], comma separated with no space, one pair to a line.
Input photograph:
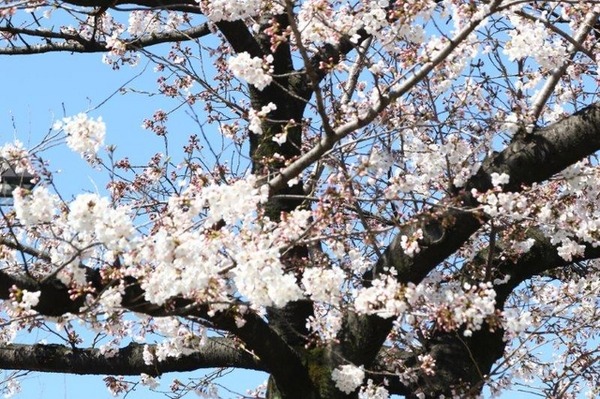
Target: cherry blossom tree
[380,198]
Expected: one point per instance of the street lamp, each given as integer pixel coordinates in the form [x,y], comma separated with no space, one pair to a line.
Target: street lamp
[10,179]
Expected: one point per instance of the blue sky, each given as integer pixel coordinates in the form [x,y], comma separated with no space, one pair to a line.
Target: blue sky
[47,87]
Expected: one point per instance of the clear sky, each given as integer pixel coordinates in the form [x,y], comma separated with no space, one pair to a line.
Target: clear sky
[43,88]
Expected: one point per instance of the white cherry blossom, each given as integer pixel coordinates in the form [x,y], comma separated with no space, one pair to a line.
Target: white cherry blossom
[84,135]
[348,377]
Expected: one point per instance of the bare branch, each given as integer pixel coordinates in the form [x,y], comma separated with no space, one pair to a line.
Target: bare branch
[175,5]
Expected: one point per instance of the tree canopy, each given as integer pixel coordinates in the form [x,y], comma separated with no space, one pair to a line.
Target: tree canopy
[378,198]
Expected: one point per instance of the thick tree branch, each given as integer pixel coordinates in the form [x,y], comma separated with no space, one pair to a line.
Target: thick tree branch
[217,352]
[78,44]
[240,38]
[529,158]
[190,6]
[53,47]
[259,337]
[470,359]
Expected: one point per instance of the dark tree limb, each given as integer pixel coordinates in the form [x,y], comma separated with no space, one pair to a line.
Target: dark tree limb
[217,352]
[258,336]
[471,359]
[529,158]
[190,6]
[75,43]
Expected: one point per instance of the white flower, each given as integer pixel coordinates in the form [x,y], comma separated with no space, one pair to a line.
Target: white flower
[516,322]
[348,377]
[323,285]
[90,213]
[84,135]
[16,156]
[38,207]
[219,10]
[381,298]
[280,138]
[569,248]
[326,322]
[499,179]
[372,391]
[524,246]
[117,46]
[253,70]
[85,210]
[548,52]
[379,162]
[111,298]
[255,117]
[143,22]
[30,299]
[148,381]
[148,355]
[410,245]
[260,276]
[12,388]
[234,201]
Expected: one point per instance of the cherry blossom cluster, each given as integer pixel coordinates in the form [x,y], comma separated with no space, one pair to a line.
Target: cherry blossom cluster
[87,221]
[143,23]
[384,298]
[84,134]
[568,219]
[325,323]
[372,391]
[449,306]
[318,24]
[500,203]
[12,388]
[348,377]
[200,263]
[17,156]
[549,52]
[323,285]
[254,70]
[23,302]
[180,340]
[556,313]
[223,10]
[35,208]
[256,118]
